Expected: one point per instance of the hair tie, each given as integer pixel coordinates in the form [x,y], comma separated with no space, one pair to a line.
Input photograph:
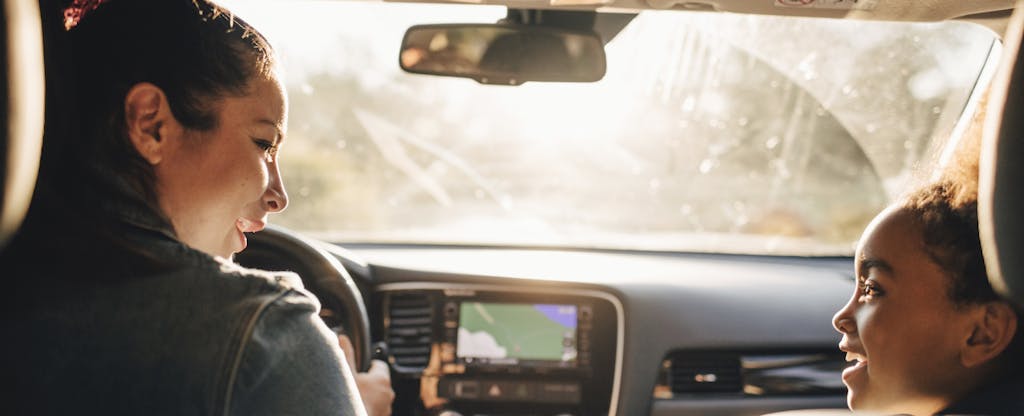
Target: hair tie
[74,13]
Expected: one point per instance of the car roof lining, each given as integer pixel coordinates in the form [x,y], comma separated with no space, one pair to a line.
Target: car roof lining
[993,14]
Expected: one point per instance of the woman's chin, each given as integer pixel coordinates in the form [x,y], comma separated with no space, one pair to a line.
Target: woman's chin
[226,250]
[233,243]
[240,243]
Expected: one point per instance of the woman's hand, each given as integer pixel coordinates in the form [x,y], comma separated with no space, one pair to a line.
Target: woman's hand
[374,385]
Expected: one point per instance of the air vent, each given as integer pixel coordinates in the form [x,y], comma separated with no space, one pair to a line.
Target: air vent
[705,373]
[409,330]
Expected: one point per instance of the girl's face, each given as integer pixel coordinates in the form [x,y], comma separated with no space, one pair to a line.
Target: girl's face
[216,185]
[900,325]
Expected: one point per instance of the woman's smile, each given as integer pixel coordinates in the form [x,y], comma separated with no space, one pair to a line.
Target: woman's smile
[244,225]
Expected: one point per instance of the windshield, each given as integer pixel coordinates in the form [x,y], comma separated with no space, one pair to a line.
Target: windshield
[709,132]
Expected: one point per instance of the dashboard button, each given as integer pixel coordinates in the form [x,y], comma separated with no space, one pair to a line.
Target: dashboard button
[495,391]
[562,393]
[467,389]
[522,391]
[586,313]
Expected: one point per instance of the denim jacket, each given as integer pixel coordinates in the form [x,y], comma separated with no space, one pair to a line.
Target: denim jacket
[204,337]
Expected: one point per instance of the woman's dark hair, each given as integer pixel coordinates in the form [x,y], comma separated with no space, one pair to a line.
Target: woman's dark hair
[194,50]
[94,188]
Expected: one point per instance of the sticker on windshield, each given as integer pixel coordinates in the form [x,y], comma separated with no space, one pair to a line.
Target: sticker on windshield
[829,4]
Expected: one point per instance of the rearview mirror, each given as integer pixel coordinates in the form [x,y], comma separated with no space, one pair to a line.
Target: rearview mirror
[503,54]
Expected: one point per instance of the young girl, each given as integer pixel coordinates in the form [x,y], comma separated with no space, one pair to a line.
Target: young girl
[928,334]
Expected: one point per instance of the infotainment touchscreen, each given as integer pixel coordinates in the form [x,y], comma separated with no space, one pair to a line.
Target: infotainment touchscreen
[517,334]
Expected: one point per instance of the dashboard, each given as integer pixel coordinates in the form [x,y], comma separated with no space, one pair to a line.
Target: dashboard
[514,332]
[670,334]
[474,347]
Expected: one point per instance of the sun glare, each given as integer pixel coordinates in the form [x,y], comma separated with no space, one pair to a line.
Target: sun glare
[706,129]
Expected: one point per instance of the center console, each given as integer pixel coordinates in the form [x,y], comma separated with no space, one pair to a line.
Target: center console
[493,350]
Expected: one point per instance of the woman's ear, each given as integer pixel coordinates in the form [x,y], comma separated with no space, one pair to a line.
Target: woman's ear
[147,116]
[994,326]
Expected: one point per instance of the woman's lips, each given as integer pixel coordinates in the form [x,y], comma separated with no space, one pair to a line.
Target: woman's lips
[245,225]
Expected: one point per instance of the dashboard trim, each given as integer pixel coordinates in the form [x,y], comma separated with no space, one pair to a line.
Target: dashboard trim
[620,336]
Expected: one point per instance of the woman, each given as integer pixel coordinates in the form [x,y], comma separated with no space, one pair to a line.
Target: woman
[162,158]
[928,334]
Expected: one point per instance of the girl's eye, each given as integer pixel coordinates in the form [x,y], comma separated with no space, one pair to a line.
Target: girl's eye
[870,289]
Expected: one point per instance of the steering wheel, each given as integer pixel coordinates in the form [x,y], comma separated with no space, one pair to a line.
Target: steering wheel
[277,249]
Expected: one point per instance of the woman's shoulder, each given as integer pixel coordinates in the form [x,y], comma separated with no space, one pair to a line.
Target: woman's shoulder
[230,282]
[273,280]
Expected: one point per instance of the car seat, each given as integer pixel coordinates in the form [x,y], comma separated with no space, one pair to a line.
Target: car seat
[21,110]
[1001,184]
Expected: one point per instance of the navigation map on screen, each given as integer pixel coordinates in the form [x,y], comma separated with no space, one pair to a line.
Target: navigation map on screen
[510,333]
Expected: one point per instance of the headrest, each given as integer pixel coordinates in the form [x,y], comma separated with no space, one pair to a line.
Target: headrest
[21,110]
[1001,184]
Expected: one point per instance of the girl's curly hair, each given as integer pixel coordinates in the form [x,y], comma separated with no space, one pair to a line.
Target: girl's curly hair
[947,212]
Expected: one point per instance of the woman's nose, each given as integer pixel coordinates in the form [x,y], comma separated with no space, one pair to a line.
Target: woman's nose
[276,198]
[843,321]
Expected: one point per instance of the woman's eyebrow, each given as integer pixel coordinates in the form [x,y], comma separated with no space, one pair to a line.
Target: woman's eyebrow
[277,128]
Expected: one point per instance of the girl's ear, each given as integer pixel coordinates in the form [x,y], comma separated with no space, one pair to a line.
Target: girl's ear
[147,117]
[994,326]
